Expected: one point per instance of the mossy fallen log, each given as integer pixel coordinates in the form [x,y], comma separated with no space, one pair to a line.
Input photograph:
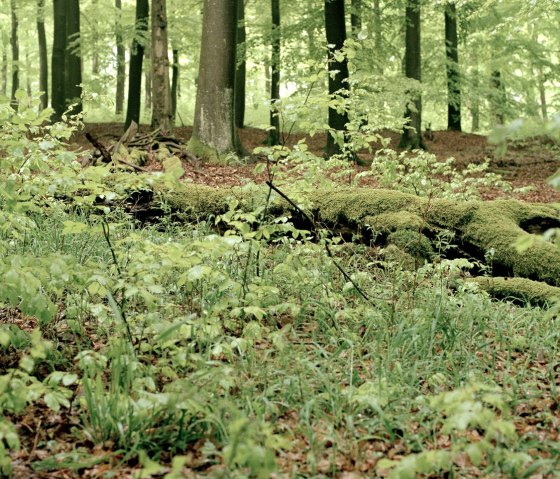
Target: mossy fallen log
[519,290]
[483,229]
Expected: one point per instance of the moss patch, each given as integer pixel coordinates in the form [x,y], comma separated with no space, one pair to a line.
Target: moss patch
[519,289]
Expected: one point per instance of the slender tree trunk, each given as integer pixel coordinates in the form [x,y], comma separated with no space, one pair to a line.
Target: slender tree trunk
[161,106]
[121,61]
[498,98]
[335,28]
[4,71]
[214,133]
[542,94]
[135,67]
[241,67]
[27,74]
[73,87]
[15,53]
[175,85]
[95,34]
[452,54]
[58,68]
[378,33]
[356,17]
[274,132]
[148,80]
[412,134]
[43,55]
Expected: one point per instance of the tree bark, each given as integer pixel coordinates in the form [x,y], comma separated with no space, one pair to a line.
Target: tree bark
[498,97]
[356,17]
[4,71]
[121,61]
[175,85]
[58,68]
[73,88]
[43,55]
[542,94]
[214,134]
[241,66]
[135,67]
[452,64]
[274,131]
[15,54]
[335,28]
[93,21]
[161,93]
[412,133]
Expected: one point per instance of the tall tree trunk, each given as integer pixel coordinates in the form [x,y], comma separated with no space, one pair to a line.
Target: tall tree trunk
[4,71]
[452,55]
[95,34]
[241,66]
[542,94]
[161,93]
[73,88]
[43,55]
[356,17]
[335,28]
[135,67]
[412,133]
[58,67]
[498,97]
[148,80]
[15,53]
[174,85]
[274,131]
[27,74]
[378,33]
[214,133]
[121,60]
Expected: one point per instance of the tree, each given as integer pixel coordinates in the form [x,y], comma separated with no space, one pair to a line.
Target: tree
[161,94]
[43,56]
[58,99]
[135,67]
[274,131]
[412,133]
[214,134]
[73,83]
[498,97]
[356,17]
[121,61]
[15,53]
[335,28]
[174,84]
[241,66]
[452,55]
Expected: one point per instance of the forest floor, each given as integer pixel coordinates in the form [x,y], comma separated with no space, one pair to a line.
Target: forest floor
[527,163]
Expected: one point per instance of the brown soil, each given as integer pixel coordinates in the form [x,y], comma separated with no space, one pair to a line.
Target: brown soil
[526,163]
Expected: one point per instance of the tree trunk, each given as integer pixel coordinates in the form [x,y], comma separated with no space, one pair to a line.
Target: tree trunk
[174,85]
[542,94]
[335,28]
[121,61]
[4,71]
[498,97]
[452,54]
[412,133]
[58,67]
[27,75]
[241,66]
[93,21]
[135,67]
[73,88]
[43,55]
[274,131]
[161,93]
[148,80]
[356,17]
[214,134]
[378,33]
[15,54]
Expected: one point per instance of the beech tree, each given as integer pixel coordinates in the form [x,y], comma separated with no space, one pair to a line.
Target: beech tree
[43,55]
[135,65]
[452,64]
[335,28]
[73,84]
[58,76]
[241,66]
[15,52]
[161,94]
[274,131]
[121,60]
[214,133]
[412,133]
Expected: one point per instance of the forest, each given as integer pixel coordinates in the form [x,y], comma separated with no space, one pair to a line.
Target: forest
[279,239]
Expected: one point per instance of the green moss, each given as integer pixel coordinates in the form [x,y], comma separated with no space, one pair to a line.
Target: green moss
[398,220]
[208,153]
[412,242]
[520,289]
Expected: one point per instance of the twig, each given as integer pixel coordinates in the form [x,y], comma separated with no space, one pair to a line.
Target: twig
[107,158]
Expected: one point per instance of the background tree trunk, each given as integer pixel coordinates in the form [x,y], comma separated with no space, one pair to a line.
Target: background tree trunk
[58,67]
[93,21]
[4,71]
[214,132]
[15,53]
[452,64]
[498,97]
[335,28]
[43,55]
[135,67]
[412,133]
[542,94]
[148,80]
[378,33]
[241,66]
[73,88]
[161,93]
[174,85]
[356,17]
[274,132]
[121,60]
